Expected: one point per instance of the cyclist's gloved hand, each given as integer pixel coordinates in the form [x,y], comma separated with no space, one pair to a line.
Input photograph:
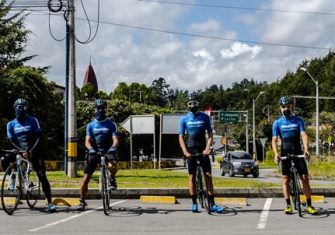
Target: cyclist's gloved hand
[111,150]
[91,151]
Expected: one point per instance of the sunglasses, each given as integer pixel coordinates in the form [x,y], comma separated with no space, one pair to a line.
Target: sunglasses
[286,106]
[193,103]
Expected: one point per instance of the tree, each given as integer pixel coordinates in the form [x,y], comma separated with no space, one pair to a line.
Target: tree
[13,37]
[159,92]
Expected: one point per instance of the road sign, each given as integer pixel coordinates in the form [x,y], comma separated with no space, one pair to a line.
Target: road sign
[263,141]
[229,117]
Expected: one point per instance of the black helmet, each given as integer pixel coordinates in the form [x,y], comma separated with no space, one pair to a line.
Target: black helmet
[100,103]
[21,101]
[285,100]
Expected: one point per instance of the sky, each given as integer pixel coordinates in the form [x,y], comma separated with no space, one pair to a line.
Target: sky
[192,44]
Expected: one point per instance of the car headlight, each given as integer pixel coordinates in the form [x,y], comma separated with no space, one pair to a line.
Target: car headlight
[236,163]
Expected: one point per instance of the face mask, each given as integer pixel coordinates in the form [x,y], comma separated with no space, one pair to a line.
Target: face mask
[100,115]
[194,109]
[20,113]
[287,112]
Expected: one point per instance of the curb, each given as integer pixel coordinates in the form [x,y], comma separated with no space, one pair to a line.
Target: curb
[183,193]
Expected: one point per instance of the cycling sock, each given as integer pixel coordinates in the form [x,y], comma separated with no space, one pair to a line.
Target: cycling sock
[309,202]
[211,200]
[194,199]
[288,202]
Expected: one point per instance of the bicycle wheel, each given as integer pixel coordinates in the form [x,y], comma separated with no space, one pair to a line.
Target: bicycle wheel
[34,189]
[297,192]
[105,189]
[199,186]
[205,191]
[10,190]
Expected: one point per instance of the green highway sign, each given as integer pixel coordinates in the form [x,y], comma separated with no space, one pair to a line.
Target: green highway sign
[229,117]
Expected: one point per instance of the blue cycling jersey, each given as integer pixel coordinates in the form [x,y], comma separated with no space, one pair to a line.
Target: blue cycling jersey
[101,134]
[289,130]
[25,132]
[195,126]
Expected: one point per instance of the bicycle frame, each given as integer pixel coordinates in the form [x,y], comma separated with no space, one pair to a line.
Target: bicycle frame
[19,179]
[294,182]
[104,183]
[200,182]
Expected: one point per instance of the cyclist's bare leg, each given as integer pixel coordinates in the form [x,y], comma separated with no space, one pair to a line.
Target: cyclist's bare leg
[286,187]
[84,185]
[191,184]
[112,166]
[306,186]
[209,182]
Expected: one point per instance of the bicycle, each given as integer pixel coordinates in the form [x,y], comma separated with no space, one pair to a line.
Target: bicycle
[294,182]
[19,180]
[201,184]
[105,187]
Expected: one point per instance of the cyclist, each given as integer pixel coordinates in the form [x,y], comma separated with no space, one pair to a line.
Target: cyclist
[289,128]
[101,136]
[195,124]
[24,134]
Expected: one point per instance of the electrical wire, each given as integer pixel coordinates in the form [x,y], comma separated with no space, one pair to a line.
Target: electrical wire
[239,8]
[213,37]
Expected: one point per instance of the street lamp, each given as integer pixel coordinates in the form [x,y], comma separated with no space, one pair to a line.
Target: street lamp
[316,111]
[246,131]
[254,151]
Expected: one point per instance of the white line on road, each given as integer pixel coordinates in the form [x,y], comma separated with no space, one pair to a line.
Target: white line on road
[71,218]
[265,213]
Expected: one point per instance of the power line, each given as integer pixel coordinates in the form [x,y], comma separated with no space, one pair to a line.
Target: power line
[240,8]
[213,37]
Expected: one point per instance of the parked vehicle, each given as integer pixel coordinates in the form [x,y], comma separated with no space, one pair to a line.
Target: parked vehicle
[239,163]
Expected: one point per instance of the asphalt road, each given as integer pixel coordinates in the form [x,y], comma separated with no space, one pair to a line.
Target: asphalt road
[260,216]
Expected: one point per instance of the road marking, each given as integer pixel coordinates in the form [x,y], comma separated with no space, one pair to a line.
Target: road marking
[71,218]
[158,199]
[315,198]
[265,213]
[231,201]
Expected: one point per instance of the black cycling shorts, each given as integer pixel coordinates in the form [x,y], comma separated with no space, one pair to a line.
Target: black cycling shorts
[92,162]
[204,162]
[299,163]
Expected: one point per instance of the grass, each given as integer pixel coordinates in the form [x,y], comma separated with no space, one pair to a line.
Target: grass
[151,179]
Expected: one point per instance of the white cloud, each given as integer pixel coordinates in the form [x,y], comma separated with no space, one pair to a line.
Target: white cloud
[121,54]
[238,49]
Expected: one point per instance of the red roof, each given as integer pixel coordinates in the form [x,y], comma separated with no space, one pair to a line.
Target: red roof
[90,77]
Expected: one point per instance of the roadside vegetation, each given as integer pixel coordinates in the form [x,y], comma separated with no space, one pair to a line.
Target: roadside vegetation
[151,179]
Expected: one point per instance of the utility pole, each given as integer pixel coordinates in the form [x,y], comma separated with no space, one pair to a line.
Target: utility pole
[72,117]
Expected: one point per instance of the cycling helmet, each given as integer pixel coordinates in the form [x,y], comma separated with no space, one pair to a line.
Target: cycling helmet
[100,103]
[285,100]
[22,102]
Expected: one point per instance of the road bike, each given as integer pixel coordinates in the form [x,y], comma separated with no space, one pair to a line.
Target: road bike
[201,183]
[105,187]
[19,181]
[294,182]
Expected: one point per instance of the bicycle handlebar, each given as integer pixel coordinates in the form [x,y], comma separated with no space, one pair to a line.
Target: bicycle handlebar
[196,155]
[291,156]
[14,151]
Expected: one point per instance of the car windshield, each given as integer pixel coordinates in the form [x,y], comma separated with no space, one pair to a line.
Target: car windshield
[242,156]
